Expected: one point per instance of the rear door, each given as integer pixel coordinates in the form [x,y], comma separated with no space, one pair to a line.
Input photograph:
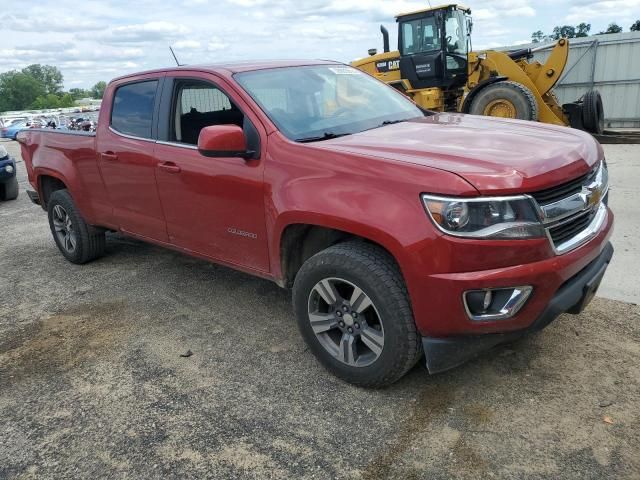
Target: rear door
[125,146]
[213,206]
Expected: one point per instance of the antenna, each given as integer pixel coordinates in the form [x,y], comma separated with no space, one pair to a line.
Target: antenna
[429,1]
[174,57]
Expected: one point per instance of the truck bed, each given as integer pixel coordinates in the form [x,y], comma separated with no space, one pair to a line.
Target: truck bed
[69,157]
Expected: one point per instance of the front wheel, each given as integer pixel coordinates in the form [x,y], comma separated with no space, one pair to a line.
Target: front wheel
[353,311]
[506,100]
[76,240]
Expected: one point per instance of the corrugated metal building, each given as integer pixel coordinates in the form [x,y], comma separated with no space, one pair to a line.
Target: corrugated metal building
[609,63]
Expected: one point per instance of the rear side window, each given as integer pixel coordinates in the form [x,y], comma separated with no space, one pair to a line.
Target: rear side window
[132,111]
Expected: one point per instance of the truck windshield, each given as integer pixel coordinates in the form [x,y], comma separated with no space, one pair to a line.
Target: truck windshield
[325,101]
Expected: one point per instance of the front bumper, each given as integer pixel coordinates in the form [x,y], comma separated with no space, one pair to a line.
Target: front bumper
[572,296]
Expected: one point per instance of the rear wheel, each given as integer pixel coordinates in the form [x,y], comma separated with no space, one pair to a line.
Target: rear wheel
[593,112]
[77,241]
[11,190]
[505,100]
[353,311]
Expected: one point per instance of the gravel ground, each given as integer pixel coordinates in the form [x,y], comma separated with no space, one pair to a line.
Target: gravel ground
[93,384]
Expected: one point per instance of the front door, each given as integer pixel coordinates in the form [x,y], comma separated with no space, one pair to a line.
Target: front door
[212,206]
[125,151]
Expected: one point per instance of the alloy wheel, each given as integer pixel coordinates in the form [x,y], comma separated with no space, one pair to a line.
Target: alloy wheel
[346,322]
[63,226]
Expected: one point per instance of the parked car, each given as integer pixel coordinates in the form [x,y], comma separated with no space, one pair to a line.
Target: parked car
[12,130]
[9,188]
[8,121]
[403,233]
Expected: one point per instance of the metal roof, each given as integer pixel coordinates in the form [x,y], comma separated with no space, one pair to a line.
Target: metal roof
[439,7]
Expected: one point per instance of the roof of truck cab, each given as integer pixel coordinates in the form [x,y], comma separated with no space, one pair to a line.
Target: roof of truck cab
[235,67]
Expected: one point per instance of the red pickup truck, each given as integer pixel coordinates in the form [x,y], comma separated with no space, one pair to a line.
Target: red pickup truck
[404,233]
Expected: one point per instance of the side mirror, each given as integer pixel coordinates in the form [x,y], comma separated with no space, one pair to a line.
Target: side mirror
[223,141]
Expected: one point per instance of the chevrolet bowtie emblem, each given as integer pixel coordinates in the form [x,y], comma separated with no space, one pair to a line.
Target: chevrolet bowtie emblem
[591,196]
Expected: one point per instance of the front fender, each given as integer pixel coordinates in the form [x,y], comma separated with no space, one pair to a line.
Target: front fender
[368,197]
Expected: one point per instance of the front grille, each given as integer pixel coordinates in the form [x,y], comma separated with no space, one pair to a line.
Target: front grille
[568,230]
[564,190]
[567,214]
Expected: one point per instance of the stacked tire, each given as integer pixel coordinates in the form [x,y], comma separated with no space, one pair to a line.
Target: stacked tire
[593,112]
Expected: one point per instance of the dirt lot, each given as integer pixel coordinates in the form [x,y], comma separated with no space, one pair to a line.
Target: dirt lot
[92,384]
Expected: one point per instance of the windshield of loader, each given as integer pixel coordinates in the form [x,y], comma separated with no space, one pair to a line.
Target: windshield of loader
[318,102]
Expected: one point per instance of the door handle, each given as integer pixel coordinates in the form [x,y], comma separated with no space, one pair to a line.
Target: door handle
[109,156]
[169,167]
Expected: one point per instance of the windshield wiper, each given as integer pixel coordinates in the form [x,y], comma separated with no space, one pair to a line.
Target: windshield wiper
[391,122]
[324,136]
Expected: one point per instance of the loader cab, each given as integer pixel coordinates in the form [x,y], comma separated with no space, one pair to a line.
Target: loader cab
[433,46]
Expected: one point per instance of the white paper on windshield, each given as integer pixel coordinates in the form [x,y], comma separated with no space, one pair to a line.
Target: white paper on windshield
[344,71]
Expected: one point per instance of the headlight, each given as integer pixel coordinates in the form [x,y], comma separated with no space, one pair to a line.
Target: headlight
[9,168]
[493,218]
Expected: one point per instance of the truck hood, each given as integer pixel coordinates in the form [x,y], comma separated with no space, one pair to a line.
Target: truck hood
[496,156]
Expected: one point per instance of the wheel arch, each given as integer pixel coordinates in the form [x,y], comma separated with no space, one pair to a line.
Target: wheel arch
[48,182]
[297,241]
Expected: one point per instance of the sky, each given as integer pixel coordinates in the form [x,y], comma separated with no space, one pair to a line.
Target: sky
[91,41]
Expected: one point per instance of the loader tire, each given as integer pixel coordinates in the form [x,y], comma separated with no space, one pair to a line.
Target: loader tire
[506,100]
[593,112]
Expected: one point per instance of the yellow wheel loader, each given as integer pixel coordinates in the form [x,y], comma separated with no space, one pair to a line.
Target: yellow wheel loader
[435,66]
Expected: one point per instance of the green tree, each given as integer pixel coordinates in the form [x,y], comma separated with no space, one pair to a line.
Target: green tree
[39,103]
[18,90]
[537,37]
[565,31]
[45,102]
[613,28]
[97,91]
[78,93]
[636,26]
[583,29]
[50,77]
[67,101]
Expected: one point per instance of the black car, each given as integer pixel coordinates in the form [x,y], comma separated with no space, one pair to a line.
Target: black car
[8,180]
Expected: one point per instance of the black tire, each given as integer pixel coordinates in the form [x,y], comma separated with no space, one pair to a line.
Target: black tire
[517,95]
[89,241]
[11,189]
[593,112]
[374,271]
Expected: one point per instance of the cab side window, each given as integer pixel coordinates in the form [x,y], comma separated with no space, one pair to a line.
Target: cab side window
[132,111]
[198,105]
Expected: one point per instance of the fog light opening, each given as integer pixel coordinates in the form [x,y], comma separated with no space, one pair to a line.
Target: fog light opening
[495,303]
[488,298]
